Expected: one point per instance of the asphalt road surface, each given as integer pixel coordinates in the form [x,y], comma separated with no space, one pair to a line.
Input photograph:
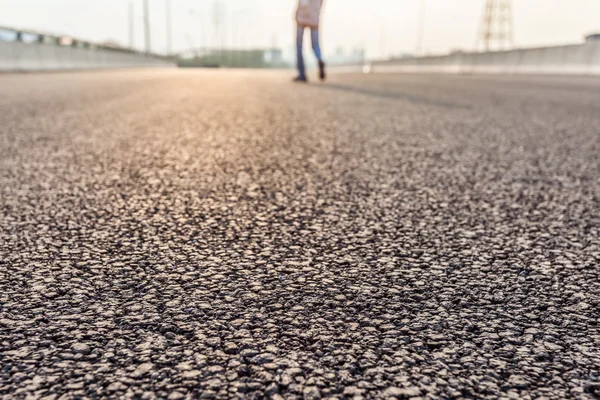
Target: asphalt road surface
[217,234]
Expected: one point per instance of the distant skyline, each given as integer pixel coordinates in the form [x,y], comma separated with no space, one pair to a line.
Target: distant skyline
[383,27]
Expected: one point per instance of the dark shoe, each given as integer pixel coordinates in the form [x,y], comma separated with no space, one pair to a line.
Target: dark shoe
[301,79]
[322,70]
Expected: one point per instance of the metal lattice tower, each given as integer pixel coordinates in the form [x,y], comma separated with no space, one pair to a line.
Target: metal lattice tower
[497,26]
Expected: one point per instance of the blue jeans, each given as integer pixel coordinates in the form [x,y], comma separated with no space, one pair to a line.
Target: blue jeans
[314,35]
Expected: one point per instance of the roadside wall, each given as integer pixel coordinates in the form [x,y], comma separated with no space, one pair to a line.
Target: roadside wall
[582,59]
[22,57]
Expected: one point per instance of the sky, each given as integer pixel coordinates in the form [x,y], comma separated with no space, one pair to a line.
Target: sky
[383,27]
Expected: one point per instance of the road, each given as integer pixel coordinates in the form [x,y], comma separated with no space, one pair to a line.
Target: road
[177,234]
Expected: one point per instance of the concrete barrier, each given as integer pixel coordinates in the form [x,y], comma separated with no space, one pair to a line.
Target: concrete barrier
[581,59]
[22,57]
[7,58]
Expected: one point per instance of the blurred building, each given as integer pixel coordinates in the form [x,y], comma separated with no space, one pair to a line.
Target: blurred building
[232,58]
[340,57]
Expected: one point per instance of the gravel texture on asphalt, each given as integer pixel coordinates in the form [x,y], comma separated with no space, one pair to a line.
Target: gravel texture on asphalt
[219,234]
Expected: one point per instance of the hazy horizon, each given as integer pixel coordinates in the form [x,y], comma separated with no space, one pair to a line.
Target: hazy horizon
[383,27]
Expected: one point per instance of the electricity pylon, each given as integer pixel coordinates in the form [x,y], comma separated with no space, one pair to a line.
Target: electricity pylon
[496,26]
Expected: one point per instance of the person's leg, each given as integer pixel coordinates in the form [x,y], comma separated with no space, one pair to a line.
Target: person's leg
[314,33]
[299,55]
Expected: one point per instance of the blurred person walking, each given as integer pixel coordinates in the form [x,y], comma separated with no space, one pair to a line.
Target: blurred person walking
[308,16]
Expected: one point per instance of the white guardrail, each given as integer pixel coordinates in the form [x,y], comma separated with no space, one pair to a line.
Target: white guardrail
[25,51]
[581,59]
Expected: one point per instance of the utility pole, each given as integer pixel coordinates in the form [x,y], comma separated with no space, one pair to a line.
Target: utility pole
[203,37]
[496,25]
[236,31]
[131,25]
[420,29]
[217,17]
[147,27]
[169,28]
[224,31]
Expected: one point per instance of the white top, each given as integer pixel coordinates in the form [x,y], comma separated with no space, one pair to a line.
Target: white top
[308,13]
